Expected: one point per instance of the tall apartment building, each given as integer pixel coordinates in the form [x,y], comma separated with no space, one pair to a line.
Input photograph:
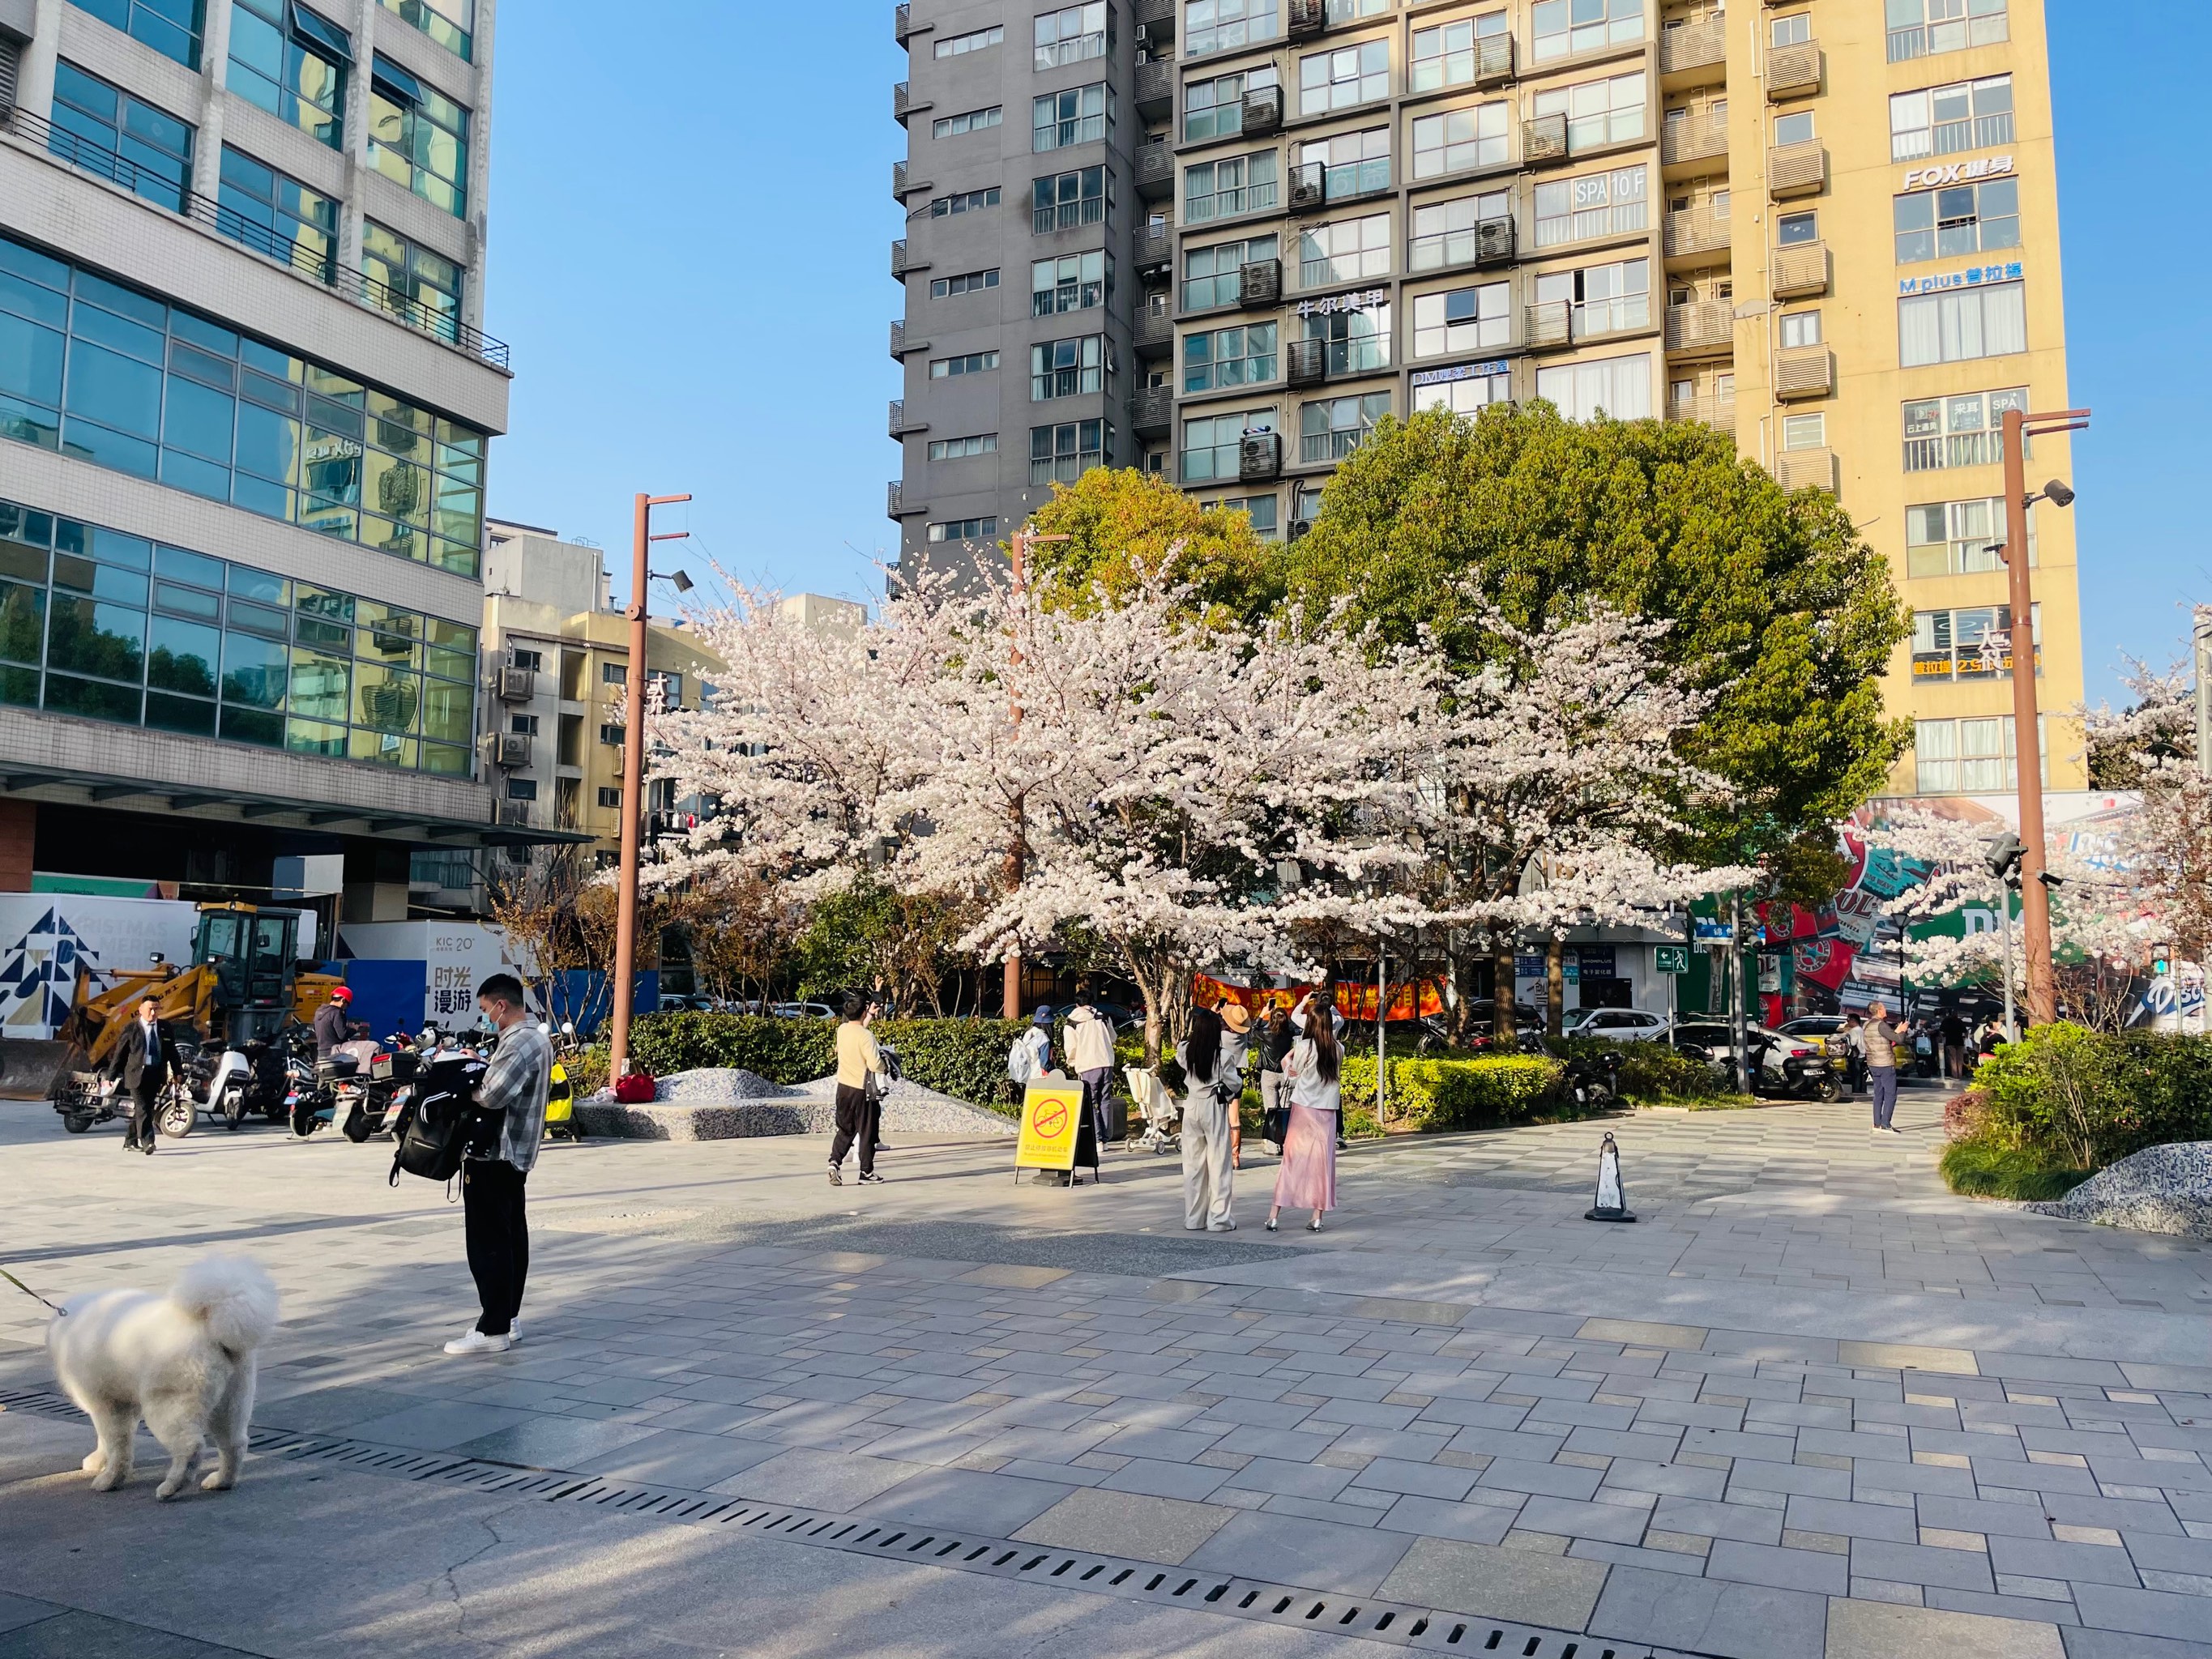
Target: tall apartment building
[245,403]
[1349,207]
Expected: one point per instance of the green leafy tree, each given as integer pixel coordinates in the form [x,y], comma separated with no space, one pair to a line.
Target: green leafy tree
[1120,523]
[872,937]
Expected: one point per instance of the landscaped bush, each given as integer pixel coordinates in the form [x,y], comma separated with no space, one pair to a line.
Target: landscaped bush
[1651,1071]
[964,1058]
[1981,1170]
[587,1071]
[1455,1094]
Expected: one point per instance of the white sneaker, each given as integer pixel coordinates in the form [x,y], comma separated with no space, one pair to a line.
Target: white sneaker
[478,1342]
[514,1331]
[1224,1227]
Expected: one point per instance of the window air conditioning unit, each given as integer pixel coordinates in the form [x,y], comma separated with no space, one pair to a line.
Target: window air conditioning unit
[517,684]
[1260,282]
[1494,242]
[510,749]
[1298,528]
[1306,363]
[1263,112]
[1307,18]
[1259,457]
[1308,186]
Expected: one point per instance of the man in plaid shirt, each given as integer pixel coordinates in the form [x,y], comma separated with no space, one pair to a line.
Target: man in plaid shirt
[513,1088]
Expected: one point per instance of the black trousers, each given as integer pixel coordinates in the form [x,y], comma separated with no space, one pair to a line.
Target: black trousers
[498,1238]
[144,1094]
[858,1116]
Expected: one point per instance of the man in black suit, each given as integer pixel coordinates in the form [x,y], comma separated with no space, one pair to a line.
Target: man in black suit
[141,1064]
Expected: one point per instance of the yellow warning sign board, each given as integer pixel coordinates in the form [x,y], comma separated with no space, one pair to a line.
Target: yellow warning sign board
[1051,1114]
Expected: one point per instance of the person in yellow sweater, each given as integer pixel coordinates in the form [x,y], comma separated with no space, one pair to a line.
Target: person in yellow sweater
[859,1071]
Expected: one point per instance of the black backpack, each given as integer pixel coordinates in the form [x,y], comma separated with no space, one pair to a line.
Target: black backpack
[437,1127]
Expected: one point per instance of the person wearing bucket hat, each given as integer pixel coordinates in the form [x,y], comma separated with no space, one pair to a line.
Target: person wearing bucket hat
[1237,1037]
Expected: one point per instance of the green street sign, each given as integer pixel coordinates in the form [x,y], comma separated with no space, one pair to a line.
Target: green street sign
[1671,959]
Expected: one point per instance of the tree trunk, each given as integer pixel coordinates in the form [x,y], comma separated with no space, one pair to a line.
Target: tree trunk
[1555,988]
[1505,1029]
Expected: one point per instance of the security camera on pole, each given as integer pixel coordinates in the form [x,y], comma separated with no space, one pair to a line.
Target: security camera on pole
[2004,856]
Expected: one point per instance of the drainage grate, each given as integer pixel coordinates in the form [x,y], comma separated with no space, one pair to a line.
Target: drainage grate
[1424,1629]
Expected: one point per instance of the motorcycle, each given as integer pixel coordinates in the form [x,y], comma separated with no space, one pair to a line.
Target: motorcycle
[1807,1071]
[338,1086]
[392,1071]
[1593,1083]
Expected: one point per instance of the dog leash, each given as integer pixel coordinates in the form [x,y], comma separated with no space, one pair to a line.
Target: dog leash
[29,1291]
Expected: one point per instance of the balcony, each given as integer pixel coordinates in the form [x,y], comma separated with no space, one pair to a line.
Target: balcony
[1698,230]
[1700,137]
[1701,326]
[1794,71]
[1796,169]
[1305,362]
[1806,469]
[1306,18]
[902,263]
[902,104]
[1155,171]
[899,426]
[1155,90]
[1156,18]
[1261,112]
[1155,250]
[1694,46]
[1549,326]
[1152,411]
[1544,139]
[900,186]
[1154,334]
[1799,271]
[1705,408]
[901,21]
[894,507]
[1801,372]
[899,347]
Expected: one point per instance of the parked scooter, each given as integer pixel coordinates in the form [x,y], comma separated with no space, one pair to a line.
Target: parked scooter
[391,1082]
[1807,1071]
[1593,1082]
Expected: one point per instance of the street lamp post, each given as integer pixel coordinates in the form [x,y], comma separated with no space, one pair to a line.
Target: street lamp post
[2027,745]
[633,784]
[1011,1006]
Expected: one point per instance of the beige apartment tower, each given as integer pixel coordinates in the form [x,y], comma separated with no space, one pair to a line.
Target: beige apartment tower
[1830,226]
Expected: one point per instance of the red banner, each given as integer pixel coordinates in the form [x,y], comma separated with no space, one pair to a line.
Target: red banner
[1409,999]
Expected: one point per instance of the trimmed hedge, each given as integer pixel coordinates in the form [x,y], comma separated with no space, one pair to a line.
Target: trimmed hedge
[964,1058]
[1456,1094]
[2083,1099]
[1981,1170]
[1651,1071]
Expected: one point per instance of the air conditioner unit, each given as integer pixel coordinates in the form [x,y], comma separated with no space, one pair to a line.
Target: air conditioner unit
[1260,282]
[514,814]
[1259,457]
[1298,528]
[510,749]
[517,684]
[1308,186]
[1307,18]
[1263,112]
[1306,363]
[1494,242]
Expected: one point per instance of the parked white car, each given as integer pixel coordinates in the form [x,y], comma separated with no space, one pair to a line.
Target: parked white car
[1616,1025]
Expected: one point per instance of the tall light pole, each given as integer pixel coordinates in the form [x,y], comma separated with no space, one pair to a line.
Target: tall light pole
[2027,745]
[633,784]
[1010,1004]
[2201,642]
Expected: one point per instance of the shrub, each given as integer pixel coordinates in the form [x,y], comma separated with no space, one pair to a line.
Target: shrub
[964,1058]
[1454,1094]
[1980,1168]
[1651,1071]
[587,1071]
[2080,1098]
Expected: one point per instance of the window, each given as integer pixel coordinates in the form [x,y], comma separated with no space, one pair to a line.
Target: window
[1261,509]
[669,685]
[104,130]
[1067,368]
[973,363]
[112,627]
[1801,328]
[1074,281]
[1958,538]
[533,661]
[1966,430]
[1958,219]
[449,22]
[522,789]
[1795,30]
[1974,643]
[1351,163]
[1222,189]
[1612,203]
[418,138]
[965,530]
[172,28]
[132,383]
[1460,139]
[1210,444]
[1918,29]
[1345,251]
[1618,386]
[1067,201]
[1073,33]
[1221,24]
[1609,111]
[966,201]
[610,797]
[1444,232]
[1463,320]
[1562,27]
[1080,115]
[1213,277]
[974,120]
[1343,77]
[959,46]
[410,280]
[1792,229]
[613,673]
[1986,322]
[1804,432]
[1607,299]
[611,734]
[1794,128]
[1215,108]
[971,282]
[1447,55]
[1228,356]
[1358,342]
[292,64]
[275,215]
[1063,453]
[1346,11]
[1944,120]
[1330,429]
[1467,392]
[1972,757]
[964,449]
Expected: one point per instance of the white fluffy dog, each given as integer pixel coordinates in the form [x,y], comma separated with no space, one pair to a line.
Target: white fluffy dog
[185,1362]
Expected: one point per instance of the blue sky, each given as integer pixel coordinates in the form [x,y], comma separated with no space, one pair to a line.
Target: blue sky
[693,270]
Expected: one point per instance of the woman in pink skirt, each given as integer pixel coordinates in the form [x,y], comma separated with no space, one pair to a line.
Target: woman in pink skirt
[1307,1178]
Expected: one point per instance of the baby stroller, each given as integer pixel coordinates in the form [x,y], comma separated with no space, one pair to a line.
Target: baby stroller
[1163,1117]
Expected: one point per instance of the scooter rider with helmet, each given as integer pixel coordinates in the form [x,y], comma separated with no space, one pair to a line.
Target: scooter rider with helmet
[330,1023]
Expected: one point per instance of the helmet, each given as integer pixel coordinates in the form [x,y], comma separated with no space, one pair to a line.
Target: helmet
[340,995]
